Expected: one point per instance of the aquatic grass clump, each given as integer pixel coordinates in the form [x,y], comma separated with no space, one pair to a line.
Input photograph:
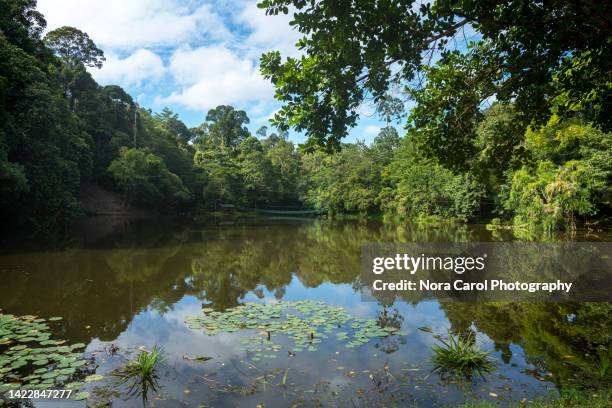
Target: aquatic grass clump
[141,374]
[461,356]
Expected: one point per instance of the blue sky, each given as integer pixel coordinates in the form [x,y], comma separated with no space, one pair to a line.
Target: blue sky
[189,55]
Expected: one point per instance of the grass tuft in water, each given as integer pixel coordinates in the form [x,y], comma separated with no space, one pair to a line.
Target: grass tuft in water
[141,374]
[461,356]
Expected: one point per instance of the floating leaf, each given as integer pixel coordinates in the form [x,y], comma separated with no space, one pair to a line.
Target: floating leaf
[93,377]
[77,346]
[306,322]
[67,371]
[50,374]
[74,385]
[81,396]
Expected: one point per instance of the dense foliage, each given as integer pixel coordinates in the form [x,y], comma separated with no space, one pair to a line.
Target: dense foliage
[530,52]
[538,156]
[568,175]
[60,131]
[546,66]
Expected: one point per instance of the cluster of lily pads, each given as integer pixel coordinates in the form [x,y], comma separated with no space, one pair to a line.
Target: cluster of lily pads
[306,322]
[30,359]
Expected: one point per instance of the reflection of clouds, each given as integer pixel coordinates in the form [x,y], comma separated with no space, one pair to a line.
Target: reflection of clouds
[187,306]
[365,310]
[170,333]
[229,364]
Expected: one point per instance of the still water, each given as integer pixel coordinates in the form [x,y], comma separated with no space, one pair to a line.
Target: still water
[120,285]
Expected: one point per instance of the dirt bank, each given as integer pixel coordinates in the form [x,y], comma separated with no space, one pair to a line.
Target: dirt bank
[99,201]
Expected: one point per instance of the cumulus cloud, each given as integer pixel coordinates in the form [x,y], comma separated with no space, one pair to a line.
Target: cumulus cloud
[215,75]
[140,66]
[268,33]
[190,55]
[133,24]
[371,130]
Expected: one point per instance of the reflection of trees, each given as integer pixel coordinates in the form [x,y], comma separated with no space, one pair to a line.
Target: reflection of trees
[237,260]
[414,233]
[231,262]
[572,341]
[105,285]
[225,269]
[151,265]
[101,287]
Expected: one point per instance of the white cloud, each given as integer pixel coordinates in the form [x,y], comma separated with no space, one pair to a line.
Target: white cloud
[268,32]
[215,75]
[129,24]
[371,130]
[190,55]
[133,70]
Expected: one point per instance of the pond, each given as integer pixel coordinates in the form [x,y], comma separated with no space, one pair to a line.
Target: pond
[121,285]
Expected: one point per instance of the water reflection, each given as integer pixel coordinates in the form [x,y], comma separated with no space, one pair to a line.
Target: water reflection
[122,285]
[567,342]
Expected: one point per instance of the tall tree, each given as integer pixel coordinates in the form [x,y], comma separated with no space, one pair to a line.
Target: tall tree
[226,126]
[385,145]
[174,125]
[22,24]
[74,46]
[255,171]
[43,153]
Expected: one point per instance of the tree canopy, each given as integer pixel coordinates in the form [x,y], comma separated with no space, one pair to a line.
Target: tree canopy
[510,124]
[539,55]
[74,46]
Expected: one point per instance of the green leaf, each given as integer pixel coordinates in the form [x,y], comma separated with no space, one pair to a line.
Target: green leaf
[93,377]
[81,396]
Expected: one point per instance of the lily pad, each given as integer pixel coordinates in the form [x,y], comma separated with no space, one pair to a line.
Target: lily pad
[305,322]
[81,396]
[74,385]
[50,374]
[67,371]
[41,357]
[77,346]
[93,377]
